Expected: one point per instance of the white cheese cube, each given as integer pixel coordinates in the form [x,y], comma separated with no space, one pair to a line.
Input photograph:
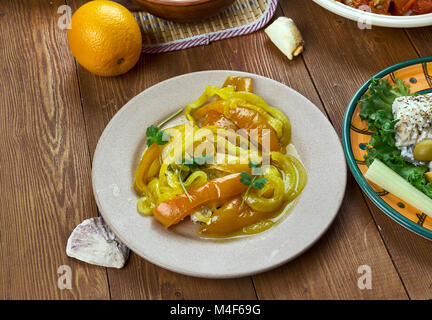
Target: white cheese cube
[415,119]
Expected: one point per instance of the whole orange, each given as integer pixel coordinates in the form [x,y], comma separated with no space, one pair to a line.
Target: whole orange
[105,38]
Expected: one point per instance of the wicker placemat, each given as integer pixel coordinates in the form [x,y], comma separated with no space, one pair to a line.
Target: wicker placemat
[243,17]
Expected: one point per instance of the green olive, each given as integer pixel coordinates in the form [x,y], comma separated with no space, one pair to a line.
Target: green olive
[423,150]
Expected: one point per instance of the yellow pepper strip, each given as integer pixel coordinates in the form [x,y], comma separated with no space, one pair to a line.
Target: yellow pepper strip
[230,168]
[301,180]
[174,210]
[231,218]
[275,123]
[233,150]
[157,193]
[183,136]
[245,118]
[151,197]
[145,206]
[294,174]
[214,118]
[196,179]
[166,193]
[239,83]
[277,119]
[150,155]
[230,141]
[263,204]
[179,136]
[279,189]
[233,138]
[209,92]
[232,153]
[154,169]
[256,100]
[288,170]
[172,179]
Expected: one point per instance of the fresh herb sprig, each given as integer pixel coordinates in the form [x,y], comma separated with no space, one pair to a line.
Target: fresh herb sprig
[256,180]
[192,163]
[156,135]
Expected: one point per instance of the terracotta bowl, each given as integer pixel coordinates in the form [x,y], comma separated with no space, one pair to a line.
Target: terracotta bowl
[184,10]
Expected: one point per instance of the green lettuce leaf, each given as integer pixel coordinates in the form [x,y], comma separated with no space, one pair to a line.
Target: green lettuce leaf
[376,110]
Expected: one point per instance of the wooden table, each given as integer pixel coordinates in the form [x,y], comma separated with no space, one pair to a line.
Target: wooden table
[52,113]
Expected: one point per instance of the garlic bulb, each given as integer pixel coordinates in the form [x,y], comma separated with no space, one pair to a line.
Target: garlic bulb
[286,36]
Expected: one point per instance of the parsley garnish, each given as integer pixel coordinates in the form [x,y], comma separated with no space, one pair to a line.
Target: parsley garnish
[156,135]
[256,180]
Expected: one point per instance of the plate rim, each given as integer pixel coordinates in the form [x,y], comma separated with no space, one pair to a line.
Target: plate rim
[375,19]
[346,143]
[256,270]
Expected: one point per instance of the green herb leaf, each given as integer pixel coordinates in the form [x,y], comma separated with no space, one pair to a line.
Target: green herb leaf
[402,88]
[152,131]
[259,183]
[245,178]
[155,135]
[252,181]
[376,110]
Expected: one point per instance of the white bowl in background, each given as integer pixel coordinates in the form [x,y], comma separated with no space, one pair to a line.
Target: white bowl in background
[374,19]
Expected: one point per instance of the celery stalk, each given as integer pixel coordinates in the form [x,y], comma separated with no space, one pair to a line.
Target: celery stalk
[386,178]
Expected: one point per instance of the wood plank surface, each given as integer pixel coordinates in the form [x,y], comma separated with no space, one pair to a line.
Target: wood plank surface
[338,44]
[101,99]
[268,61]
[324,275]
[44,163]
[53,113]
[421,39]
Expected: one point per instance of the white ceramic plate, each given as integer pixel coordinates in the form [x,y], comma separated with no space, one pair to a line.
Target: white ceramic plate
[374,19]
[121,146]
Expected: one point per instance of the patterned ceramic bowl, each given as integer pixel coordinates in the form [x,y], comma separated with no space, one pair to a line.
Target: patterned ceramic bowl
[355,135]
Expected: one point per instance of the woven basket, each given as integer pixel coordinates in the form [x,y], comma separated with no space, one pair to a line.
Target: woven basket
[242,17]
